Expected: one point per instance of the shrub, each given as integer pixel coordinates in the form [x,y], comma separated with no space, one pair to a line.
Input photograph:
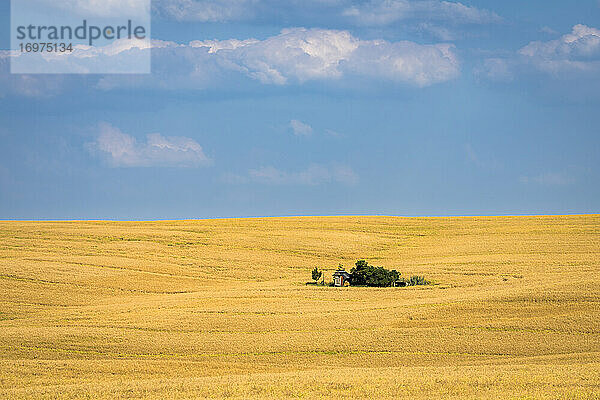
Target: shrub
[363,274]
[316,274]
[417,280]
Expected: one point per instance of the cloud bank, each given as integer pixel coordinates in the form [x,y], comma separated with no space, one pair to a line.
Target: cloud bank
[300,55]
[293,57]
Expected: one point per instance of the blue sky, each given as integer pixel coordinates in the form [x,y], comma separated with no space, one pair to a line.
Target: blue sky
[316,107]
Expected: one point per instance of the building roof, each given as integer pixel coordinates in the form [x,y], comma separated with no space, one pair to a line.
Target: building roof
[341,273]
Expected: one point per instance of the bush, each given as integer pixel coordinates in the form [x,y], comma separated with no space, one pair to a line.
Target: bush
[363,274]
[417,280]
[316,274]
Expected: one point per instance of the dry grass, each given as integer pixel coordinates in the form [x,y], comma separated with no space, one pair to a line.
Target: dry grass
[219,308]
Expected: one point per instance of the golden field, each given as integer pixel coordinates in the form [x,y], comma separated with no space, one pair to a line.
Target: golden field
[219,309]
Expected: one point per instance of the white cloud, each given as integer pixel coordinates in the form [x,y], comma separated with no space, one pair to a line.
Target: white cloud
[385,12]
[578,50]
[548,30]
[123,150]
[216,45]
[299,128]
[313,175]
[573,55]
[299,55]
[295,55]
[404,62]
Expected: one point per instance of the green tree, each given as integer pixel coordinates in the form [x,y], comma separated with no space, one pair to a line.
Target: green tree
[360,273]
[363,274]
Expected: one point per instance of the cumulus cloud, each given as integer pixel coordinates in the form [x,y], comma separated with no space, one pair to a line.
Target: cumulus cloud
[578,50]
[295,54]
[123,150]
[404,62]
[299,128]
[313,175]
[299,55]
[573,55]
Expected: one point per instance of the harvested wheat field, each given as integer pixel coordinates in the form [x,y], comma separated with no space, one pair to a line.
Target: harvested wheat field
[219,308]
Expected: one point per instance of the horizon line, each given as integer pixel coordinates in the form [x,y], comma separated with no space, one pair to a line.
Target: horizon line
[304,216]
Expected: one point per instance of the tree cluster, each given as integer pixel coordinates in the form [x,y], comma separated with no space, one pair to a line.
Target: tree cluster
[363,274]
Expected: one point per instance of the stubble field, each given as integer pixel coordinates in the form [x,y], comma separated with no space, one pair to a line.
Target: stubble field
[219,308]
